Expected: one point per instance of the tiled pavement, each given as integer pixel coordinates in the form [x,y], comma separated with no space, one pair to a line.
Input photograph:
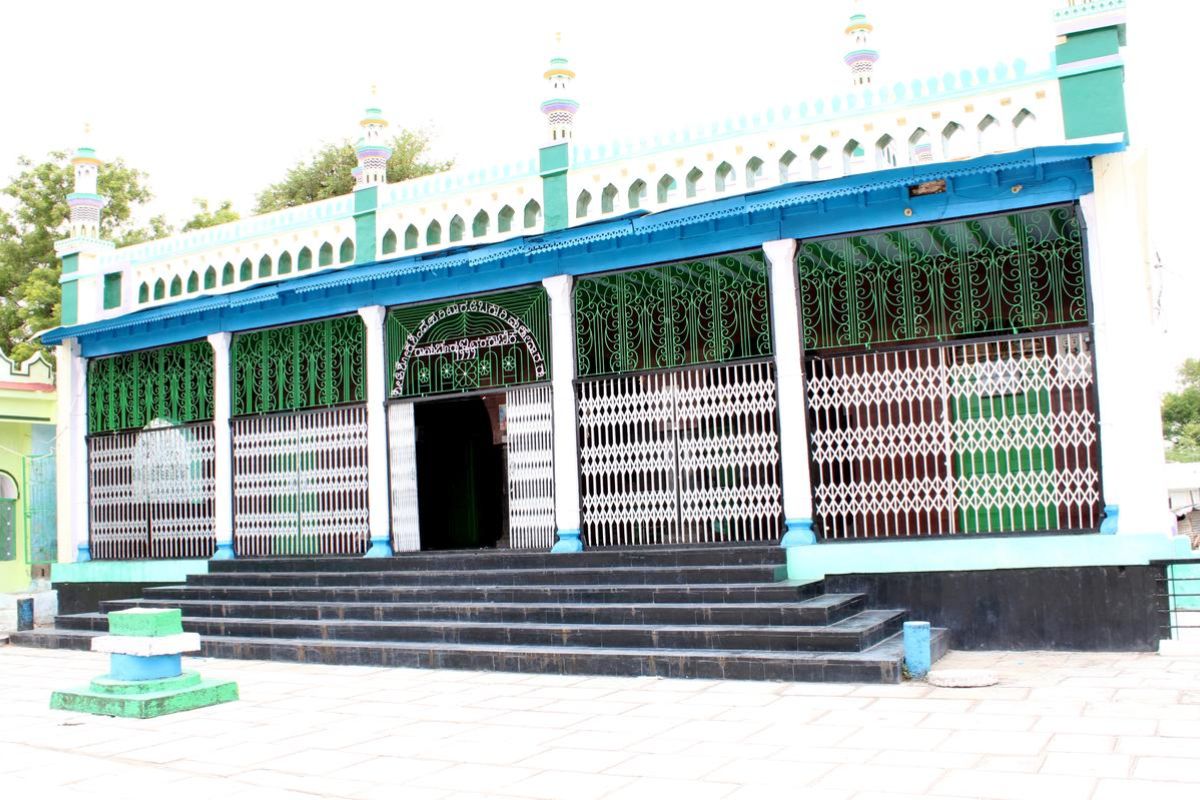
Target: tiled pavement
[1060,725]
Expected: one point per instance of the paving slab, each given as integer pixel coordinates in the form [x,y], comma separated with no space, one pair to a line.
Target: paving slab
[1061,725]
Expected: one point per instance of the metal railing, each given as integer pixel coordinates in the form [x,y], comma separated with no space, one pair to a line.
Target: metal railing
[1178,600]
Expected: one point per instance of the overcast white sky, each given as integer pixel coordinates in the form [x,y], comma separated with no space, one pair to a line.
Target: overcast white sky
[218,99]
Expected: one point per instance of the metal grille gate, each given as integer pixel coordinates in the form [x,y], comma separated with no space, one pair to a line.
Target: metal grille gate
[152,492]
[300,482]
[686,456]
[990,436]
[41,508]
[530,467]
[530,439]
[402,460]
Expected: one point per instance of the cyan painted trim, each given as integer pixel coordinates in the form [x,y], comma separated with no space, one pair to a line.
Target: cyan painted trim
[984,553]
[70,263]
[127,571]
[798,210]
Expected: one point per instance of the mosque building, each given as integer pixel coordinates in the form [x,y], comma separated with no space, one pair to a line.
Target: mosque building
[893,330]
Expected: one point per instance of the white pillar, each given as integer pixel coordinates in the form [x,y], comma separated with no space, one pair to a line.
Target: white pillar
[1126,351]
[566,446]
[379,516]
[222,445]
[789,380]
[71,454]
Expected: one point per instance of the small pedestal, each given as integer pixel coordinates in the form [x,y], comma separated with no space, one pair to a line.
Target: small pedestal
[145,676]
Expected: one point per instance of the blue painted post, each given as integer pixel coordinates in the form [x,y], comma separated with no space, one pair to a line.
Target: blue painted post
[24,613]
[917,654]
[799,533]
[568,542]
[1111,516]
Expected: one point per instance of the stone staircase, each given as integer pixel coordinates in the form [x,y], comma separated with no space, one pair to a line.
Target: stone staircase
[695,612]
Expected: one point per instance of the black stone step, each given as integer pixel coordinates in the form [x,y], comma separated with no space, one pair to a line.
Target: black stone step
[849,635]
[881,663]
[777,592]
[821,610]
[663,557]
[616,576]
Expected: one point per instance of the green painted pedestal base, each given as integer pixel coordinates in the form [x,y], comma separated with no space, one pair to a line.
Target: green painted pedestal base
[145,699]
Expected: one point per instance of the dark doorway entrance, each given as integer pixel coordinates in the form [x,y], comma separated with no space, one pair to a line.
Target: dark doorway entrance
[460,472]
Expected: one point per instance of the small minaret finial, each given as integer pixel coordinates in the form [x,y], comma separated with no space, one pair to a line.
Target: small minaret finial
[85,203]
[559,109]
[371,149]
[861,57]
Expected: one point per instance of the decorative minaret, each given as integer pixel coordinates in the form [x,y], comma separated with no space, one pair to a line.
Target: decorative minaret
[371,149]
[85,203]
[558,108]
[372,152]
[860,58]
[86,292]
[554,157]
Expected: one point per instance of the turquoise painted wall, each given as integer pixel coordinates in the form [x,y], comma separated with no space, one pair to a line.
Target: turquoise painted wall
[955,553]
[128,571]
[1093,103]
[70,302]
[1185,587]
[365,241]
[552,164]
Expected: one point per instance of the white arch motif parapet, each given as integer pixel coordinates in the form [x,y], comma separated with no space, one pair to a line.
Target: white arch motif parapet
[799,131]
[467,347]
[900,95]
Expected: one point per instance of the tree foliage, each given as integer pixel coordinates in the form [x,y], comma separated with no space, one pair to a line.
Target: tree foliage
[327,173]
[204,218]
[1181,415]
[36,217]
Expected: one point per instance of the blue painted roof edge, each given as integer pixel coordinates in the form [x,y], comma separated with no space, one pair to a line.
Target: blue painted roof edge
[776,197]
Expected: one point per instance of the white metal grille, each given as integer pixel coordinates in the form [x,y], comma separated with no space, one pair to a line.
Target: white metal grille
[152,492]
[964,438]
[627,459]
[300,482]
[728,453]
[529,422]
[402,457]
[686,456]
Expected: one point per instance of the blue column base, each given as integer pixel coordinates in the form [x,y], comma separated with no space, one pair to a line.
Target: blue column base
[380,548]
[224,552]
[143,668]
[568,542]
[799,533]
[1109,523]
[918,656]
[83,553]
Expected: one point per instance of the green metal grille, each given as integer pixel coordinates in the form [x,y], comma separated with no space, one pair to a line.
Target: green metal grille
[41,508]
[311,365]
[704,311]
[168,383]
[1000,274]
[491,341]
